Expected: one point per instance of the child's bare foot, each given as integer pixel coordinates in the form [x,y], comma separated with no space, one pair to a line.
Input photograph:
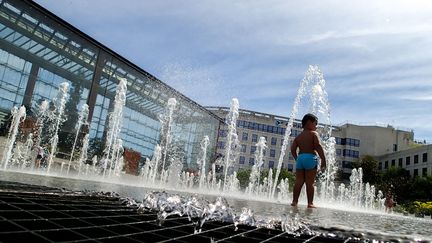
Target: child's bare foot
[293,204]
[311,206]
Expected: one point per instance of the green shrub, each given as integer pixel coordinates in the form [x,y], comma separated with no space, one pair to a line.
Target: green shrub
[420,208]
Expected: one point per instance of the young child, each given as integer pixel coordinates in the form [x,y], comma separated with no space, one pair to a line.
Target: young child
[389,202]
[307,160]
[40,153]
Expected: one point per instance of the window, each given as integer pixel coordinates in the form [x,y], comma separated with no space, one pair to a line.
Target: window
[380,166]
[395,147]
[260,127]
[240,123]
[223,133]
[348,141]
[221,145]
[243,148]
[251,161]
[255,126]
[350,153]
[415,172]
[282,141]
[343,141]
[290,167]
[270,129]
[272,153]
[242,160]
[424,157]
[254,138]
[271,164]
[346,164]
[355,154]
[249,125]
[400,162]
[245,136]
[386,164]
[416,157]
[253,149]
[424,172]
[338,152]
[273,141]
[357,143]
[393,162]
[408,160]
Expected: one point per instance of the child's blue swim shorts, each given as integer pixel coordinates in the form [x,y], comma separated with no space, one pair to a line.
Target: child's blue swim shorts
[306,161]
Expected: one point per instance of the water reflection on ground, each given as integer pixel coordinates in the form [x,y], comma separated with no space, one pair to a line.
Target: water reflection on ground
[349,223]
[344,222]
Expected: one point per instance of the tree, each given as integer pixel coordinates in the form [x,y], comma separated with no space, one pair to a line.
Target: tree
[243,177]
[397,181]
[284,173]
[370,169]
[421,188]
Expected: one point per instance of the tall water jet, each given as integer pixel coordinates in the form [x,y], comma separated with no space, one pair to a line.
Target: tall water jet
[286,140]
[18,115]
[313,84]
[114,126]
[82,120]
[27,155]
[232,144]
[202,162]
[255,174]
[154,163]
[57,118]
[42,115]
[166,126]
[320,106]
[83,156]
[118,157]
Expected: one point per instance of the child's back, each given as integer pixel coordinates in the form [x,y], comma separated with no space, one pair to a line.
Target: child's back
[306,141]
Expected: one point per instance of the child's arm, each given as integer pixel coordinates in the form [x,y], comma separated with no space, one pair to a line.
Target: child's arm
[319,149]
[294,149]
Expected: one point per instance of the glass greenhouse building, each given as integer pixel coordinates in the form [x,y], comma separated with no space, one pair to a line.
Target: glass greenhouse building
[38,51]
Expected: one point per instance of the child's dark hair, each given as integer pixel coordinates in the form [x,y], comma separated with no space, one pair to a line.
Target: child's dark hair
[308,117]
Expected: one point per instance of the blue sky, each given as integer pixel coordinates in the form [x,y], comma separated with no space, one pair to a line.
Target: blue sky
[376,56]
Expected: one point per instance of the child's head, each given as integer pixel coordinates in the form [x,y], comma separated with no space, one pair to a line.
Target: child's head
[309,119]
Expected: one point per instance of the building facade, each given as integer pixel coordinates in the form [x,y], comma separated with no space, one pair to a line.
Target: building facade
[38,51]
[417,161]
[352,141]
[250,127]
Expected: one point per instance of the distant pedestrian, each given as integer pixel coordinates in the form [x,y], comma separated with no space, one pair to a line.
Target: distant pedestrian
[40,154]
[389,202]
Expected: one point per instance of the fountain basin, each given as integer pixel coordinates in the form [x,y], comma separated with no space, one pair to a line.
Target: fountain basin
[349,222]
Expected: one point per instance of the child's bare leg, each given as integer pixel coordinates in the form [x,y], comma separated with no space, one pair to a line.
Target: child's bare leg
[300,179]
[310,190]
